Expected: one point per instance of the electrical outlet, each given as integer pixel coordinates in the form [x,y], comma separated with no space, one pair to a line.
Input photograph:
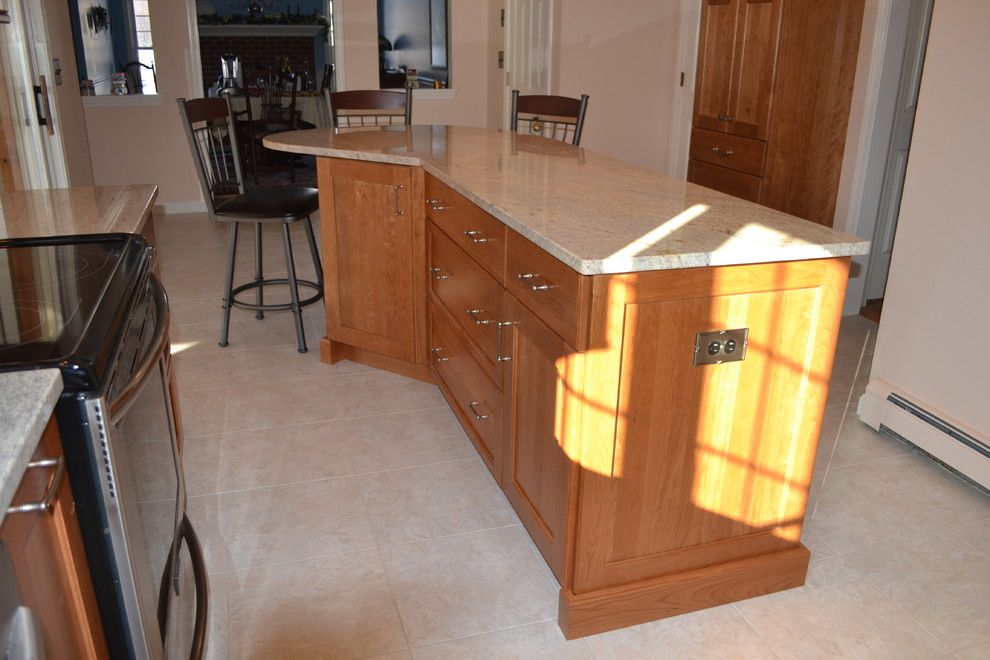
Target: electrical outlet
[720,346]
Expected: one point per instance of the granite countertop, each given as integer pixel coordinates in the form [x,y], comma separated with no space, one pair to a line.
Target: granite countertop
[595,213]
[27,399]
[69,211]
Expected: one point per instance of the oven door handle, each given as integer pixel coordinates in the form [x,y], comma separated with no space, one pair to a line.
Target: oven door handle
[158,343]
[201,579]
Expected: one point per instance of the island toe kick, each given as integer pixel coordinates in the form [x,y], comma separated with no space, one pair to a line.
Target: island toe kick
[655,431]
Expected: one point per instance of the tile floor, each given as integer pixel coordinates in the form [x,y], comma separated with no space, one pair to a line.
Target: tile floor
[345,514]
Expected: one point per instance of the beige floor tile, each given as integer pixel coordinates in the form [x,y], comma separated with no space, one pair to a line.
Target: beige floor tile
[339,607]
[325,398]
[940,581]
[264,457]
[418,503]
[203,409]
[540,640]
[219,622]
[854,511]
[837,614]
[388,442]
[468,584]
[259,527]
[846,440]
[940,494]
[977,535]
[715,633]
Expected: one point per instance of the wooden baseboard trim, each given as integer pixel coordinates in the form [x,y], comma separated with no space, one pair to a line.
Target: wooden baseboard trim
[333,351]
[617,607]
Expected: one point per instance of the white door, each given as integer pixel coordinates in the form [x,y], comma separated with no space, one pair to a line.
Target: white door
[28,114]
[900,144]
[529,33]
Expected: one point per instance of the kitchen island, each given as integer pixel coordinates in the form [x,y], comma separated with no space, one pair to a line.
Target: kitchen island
[642,363]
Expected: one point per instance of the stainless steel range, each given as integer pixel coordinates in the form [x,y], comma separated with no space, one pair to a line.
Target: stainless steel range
[92,306]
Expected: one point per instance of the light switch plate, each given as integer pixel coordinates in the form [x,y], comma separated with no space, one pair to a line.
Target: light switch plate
[720,346]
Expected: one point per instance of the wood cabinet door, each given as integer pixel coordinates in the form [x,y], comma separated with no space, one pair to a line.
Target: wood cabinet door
[756,39]
[541,430]
[50,562]
[371,228]
[716,50]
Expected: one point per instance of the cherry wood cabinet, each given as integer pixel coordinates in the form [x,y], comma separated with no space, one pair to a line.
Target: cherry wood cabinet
[780,72]
[651,484]
[49,561]
[373,250]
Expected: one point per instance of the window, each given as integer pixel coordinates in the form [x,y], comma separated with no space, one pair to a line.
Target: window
[145,49]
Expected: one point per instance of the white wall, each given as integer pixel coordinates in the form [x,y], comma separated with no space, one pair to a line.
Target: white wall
[934,342]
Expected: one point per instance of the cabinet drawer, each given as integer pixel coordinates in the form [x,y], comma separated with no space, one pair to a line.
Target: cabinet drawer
[469,293]
[475,399]
[731,151]
[731,182]
[481,235]
[554,291]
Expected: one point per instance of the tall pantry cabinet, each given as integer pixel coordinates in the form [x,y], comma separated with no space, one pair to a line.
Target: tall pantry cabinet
[771,103]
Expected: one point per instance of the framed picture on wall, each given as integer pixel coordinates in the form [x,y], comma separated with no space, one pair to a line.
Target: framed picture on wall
[438,34]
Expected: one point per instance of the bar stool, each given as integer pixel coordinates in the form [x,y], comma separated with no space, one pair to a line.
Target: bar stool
[211,130]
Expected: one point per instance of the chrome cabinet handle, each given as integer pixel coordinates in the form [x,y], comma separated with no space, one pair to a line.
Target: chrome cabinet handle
[437,350]
[473,313]
[398,201]
[722,117]
[437,204]
[535,282]
[474,411]
[723,154]
[498,343]
[47,503]
[439,273]
[476,236]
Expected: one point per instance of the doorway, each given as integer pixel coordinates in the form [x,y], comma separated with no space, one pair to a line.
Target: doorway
[909,27]
[529,34]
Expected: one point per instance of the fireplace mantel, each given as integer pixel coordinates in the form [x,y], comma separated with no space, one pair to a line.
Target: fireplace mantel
[259,30]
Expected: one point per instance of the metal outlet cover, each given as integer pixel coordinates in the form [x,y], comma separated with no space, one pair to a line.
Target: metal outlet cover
[720,346]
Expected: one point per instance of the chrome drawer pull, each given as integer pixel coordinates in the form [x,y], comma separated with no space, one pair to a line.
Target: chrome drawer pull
[398,202]
[473,313]
[437,354]
[535,282]
[723,154]
[440,273]
[437,204]
[476,236]
[474,411]
[498,343]
[47,503]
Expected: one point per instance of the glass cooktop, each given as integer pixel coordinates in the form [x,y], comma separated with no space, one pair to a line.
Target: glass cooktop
[63,301]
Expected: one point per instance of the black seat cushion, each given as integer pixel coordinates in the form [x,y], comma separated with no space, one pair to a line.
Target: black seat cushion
[285,203]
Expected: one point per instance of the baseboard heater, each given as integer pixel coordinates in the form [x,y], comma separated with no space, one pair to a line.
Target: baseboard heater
[963,450]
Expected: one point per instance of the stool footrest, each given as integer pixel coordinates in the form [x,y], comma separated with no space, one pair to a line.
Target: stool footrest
[274,307]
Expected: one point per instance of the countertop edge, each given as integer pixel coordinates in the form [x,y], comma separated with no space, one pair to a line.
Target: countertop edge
[27,400]
[608,266]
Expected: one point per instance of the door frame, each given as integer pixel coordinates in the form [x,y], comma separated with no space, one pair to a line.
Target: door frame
[682,110]
[553,59]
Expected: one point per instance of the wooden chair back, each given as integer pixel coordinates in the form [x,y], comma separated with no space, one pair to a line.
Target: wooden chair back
[210,129]
[556,117]
[369,107]
[278,98]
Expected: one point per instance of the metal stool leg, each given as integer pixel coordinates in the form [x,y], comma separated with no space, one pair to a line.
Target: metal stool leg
[315,252]
[259,295]
[227,292]
[293,288]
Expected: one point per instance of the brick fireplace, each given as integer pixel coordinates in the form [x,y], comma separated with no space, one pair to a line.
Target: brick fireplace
[259,47]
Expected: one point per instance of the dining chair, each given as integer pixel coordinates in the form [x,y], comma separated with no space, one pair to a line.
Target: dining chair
[556,117]
[210,128]
[369,107]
